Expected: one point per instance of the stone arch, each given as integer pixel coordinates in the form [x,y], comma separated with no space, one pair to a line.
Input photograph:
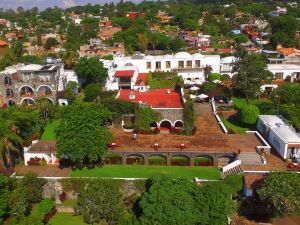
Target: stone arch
[7,80]
[189,79]
[203,160]
[26,90]
[28,101]
[166,124]
[44,90]
[180,160]
[135,158]
[178,124]
[157,159]
[197,78]
[154,124]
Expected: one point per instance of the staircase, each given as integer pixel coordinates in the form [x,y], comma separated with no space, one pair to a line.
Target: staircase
[250,158]
[231,169]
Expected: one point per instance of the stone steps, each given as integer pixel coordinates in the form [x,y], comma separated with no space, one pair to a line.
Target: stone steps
[234,171]
[250,158]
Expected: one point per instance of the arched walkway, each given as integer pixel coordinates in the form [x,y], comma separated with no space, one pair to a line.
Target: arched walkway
[153,125]
[135,159]
[114,158]
[157,159]
[26,91]
[180,160]
[178,124]
[28,101]
[165,125]
[203,160]
[44,90]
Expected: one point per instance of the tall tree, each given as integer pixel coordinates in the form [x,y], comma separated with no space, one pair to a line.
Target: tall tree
[101,200]
[82,137]
[250,71]
[91,69]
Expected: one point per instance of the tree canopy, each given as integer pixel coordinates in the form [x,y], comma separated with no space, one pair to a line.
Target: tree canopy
[282,191]
[91,70]
[82,136]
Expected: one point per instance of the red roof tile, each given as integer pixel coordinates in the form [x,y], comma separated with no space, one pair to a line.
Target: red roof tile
[156,98]
[141,79]
[124,73]
[3,43]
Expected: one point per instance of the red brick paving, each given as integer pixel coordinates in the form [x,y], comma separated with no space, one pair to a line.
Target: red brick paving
[43,171]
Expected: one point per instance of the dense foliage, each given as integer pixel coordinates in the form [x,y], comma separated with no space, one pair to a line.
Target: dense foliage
[82,136]
[282,191]
[249,114]
[188,117]
[100,201]
[143,119]
[91,70]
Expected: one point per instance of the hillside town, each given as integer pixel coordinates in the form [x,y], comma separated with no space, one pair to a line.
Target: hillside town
[150,112]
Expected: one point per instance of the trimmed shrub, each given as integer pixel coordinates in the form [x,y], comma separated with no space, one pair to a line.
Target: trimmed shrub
[207,87]
[63,196]
[214,76]
[179,161]
[188,117]
[202,161]
[249,114]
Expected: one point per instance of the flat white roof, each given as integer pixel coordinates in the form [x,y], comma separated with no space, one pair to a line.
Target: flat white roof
[283,67]
[31,67]
[286,134]
[271,120]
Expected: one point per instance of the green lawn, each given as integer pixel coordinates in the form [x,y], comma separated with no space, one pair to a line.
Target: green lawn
[49,133]
[162,80]
[66,219]
[68,203]
[236,127]
[134,171]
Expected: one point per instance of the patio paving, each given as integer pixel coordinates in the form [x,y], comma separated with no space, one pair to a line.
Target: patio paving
[43,171]
[209,137]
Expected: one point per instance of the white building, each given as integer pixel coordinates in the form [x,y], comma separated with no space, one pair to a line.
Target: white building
[190,67]
[285,71]
[281,136]
[226,65]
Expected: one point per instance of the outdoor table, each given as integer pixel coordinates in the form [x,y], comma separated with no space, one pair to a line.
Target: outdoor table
[156,146]
[181,146]
[113,145]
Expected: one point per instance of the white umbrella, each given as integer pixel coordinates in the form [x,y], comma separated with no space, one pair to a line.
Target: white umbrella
[202,96]
[191,83]
[194,88]
[193,96]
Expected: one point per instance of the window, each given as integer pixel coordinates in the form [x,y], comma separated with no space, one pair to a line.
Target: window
[180,64]
[197,64]
[148,65]
[158,65]
[189,64]
[279,76]
[168,64]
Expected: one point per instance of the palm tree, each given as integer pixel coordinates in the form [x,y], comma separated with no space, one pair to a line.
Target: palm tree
[9,142]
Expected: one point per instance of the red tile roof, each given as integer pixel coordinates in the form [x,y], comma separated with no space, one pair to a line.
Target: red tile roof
[124,73]
[225,50]
[156,98]
[142,79]
[3,43]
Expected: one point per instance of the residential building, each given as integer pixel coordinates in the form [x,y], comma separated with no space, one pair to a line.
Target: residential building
[284,71]
[101,50]
[134,15]
[203,40]
[24,84]
[168,102]
[280,135]
[104,22]
[164,17]
[226,65]
[108,33]
[190,67]
[45,37]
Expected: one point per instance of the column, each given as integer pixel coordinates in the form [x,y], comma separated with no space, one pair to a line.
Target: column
[168,160]
[215,161]
[191,161]
[124,159]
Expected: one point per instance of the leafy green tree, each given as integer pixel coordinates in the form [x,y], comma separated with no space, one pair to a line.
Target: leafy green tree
[214,76]
[18,48]
[19,206]
[188,117]
[33,187]
[170,201]
[241,38]
[288,93]
[100,201]
[82,137]
[50,42]
[284,31]
[4,197]
[282,191]
[71,91]
[250,70]
[143,119]
[92,92]
[9,142]
[90,27]
[91,69]
[249,114]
